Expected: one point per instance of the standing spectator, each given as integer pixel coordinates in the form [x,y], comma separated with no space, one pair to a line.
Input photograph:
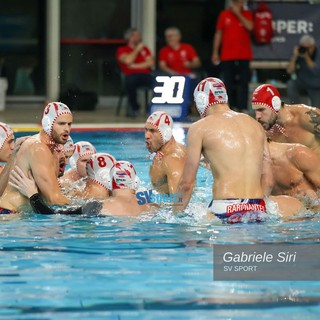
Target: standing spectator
[136,62]
[177,58]
[304,68]
[232,47]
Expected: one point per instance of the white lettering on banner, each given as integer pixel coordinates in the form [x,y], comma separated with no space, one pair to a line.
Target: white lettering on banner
[171,91]
[239,207]
[279,39]
[292,26]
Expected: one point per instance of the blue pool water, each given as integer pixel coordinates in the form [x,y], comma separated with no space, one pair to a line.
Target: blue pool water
[59,267]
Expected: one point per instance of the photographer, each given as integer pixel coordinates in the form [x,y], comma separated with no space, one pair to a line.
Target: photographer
[304,68]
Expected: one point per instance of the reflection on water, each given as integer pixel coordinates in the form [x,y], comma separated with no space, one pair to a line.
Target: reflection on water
[152,267]
[74,266]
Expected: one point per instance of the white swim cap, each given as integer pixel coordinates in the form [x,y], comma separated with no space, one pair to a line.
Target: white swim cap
[81,149]
[163,122]
[69,145]
[123,175]
[98,169]
[5,133]
[50,114]
[208,92]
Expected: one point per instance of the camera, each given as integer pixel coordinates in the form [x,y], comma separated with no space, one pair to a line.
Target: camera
[302,50]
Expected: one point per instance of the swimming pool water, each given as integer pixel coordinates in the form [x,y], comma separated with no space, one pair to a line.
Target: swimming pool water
[59,267]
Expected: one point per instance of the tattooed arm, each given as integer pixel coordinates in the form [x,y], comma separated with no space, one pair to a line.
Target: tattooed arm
[312,121]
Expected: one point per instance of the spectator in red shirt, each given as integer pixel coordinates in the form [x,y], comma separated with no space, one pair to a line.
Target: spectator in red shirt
[232,47]
[177,58]
[136,62]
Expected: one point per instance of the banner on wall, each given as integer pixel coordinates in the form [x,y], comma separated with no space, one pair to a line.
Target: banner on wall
[290,21]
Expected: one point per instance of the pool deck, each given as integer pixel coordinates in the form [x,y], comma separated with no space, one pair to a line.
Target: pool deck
[29,116]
